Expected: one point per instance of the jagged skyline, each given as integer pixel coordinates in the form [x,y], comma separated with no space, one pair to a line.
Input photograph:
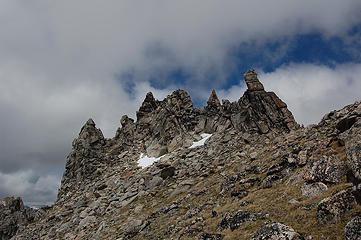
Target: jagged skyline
[64,62]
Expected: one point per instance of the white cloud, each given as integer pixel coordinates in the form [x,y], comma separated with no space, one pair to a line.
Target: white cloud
[35,190]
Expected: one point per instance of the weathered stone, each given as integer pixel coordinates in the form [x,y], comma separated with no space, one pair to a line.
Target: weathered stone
[302,158]
[329,210]
[213,101]
[326,169]
[134,227]
[13,216]
[353,229]
[313,189]
[275,230]
[156,181]
[352,139]
[211,236]
[239,218]
[270,181]
[253,84]
[149,104]
[83,163]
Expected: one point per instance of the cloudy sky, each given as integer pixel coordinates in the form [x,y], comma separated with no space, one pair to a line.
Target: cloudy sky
[62,62]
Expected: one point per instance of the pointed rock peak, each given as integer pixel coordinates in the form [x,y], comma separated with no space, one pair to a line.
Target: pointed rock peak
[149,104]
[253,84]
[213,99]
[90,122]
[180,98]
[125,120]
[90,133]
[149,97]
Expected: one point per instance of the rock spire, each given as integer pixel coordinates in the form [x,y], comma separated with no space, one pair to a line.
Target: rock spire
[253,84]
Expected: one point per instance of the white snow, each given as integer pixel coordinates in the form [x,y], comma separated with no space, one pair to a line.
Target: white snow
[201,142]
[145,161]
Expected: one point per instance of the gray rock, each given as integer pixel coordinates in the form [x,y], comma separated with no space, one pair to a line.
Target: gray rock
[13,216]
[352,141]
[302,158]
[329,210]
[353,229]
[313,189]
[239,218]
[211,236]
[134,227]
[275,230]
[253,84]
[156,181]
[87,221]
[326,169]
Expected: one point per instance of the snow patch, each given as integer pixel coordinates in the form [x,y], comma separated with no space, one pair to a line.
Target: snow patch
[201,142]
[145,161]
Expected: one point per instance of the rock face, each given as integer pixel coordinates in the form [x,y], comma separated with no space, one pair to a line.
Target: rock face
[253,84]
[83,162]
[352,138]
[326,169]
[13,216]
[329,210]
[252,162]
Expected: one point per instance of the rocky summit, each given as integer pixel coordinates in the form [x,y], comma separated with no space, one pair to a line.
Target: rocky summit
[229,170]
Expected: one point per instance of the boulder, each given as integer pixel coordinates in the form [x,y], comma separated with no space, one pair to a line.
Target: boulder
[239,218]
[276,231]
[326,169]
[353,229]
[313,189]
[211,236]
[329,210]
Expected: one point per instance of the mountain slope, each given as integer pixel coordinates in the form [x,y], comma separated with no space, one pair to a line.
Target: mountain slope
[259,175]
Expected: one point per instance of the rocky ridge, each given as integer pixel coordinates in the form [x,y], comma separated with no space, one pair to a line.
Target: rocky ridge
[260,175]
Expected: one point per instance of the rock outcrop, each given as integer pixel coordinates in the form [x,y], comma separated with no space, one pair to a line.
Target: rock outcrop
[218,172]
[84,162]
[330,209]
[13,216]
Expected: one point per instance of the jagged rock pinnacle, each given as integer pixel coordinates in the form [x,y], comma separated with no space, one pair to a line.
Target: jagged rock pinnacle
[180,99]
[90,133]
[253,84]
[149,104]
[125,120]
[213,99]
[90,122]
